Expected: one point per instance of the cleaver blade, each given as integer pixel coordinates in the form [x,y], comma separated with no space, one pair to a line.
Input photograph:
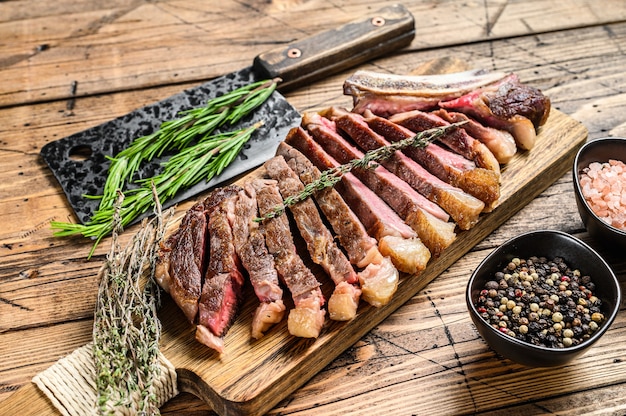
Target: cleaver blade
[79,162]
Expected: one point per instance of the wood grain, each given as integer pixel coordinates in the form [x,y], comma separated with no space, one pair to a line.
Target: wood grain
[140,44]
[573,51]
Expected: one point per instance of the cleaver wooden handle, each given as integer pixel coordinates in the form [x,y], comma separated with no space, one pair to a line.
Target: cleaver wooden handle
[329,52]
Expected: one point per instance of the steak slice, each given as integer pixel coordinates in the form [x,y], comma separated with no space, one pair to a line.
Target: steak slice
[462,207]
[508,105]
[307,318]
[447,166]
[223,281]
[379,277]
[258,262]
[435,232]
[181,261]
[377,217]
[457,139]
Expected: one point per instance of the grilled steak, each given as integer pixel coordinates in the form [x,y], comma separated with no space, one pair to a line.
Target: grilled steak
[352,235]
[223,281]
[307,318]
[447,166]
[463,207]
[508,105]
[500,142]
[343,303]
[458,140]
[258,262]
[182,261]
[378,218]
[379,277]
[435,232]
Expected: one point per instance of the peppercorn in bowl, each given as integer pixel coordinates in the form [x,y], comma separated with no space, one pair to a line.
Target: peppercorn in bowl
[600,186]
[542,298]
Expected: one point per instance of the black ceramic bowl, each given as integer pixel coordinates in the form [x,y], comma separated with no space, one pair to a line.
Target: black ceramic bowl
[599,150]
[550,244]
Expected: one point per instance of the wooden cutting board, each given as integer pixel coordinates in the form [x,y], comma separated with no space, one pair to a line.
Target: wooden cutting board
[251,377]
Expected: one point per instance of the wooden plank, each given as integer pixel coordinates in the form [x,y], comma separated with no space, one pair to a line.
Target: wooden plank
[89,48]
[578,70]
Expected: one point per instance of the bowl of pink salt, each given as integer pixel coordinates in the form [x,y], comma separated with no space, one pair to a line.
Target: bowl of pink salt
[600,185]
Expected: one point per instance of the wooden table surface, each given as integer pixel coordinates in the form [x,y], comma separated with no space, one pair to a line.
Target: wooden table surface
[70,65]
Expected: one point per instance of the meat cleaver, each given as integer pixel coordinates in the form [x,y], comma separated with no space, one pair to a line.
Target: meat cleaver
[79,161]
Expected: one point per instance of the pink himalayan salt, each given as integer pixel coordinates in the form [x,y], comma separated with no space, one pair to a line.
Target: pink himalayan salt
[604,188]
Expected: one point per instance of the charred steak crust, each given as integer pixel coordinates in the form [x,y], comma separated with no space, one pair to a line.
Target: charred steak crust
[319,240]
[183,255]
[350,231]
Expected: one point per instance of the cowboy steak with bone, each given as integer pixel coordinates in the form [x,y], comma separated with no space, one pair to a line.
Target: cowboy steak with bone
[373,227]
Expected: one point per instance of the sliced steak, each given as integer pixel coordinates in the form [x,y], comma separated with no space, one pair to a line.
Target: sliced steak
[436,233]
[508,105]
[378,218]
[359,246]
[457,139]
[223,281]
[307,318]
[447,166]
[500,142]
[181,261]
[258,262]
[462,207]
[343,303]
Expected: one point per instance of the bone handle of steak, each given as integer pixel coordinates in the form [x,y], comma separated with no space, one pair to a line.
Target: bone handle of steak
[307,318]
[396,239]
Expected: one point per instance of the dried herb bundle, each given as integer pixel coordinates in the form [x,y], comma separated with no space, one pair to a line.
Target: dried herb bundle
[126,328]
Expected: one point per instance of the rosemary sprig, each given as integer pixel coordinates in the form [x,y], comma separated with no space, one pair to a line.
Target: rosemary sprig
[202,155]
[126,329]
[203,160]
[330,177]
[194,124]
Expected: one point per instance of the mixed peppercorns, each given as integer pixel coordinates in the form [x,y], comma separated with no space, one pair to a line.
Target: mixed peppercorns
[542,302]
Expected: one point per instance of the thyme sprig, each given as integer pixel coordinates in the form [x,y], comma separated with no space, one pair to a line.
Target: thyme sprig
[202,154]
[330,177]
[126,329]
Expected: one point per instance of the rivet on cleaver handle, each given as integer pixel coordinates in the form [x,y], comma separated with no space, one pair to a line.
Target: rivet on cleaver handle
[332,51]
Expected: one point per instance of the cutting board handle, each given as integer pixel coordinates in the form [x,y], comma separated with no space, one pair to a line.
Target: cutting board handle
[329,52]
